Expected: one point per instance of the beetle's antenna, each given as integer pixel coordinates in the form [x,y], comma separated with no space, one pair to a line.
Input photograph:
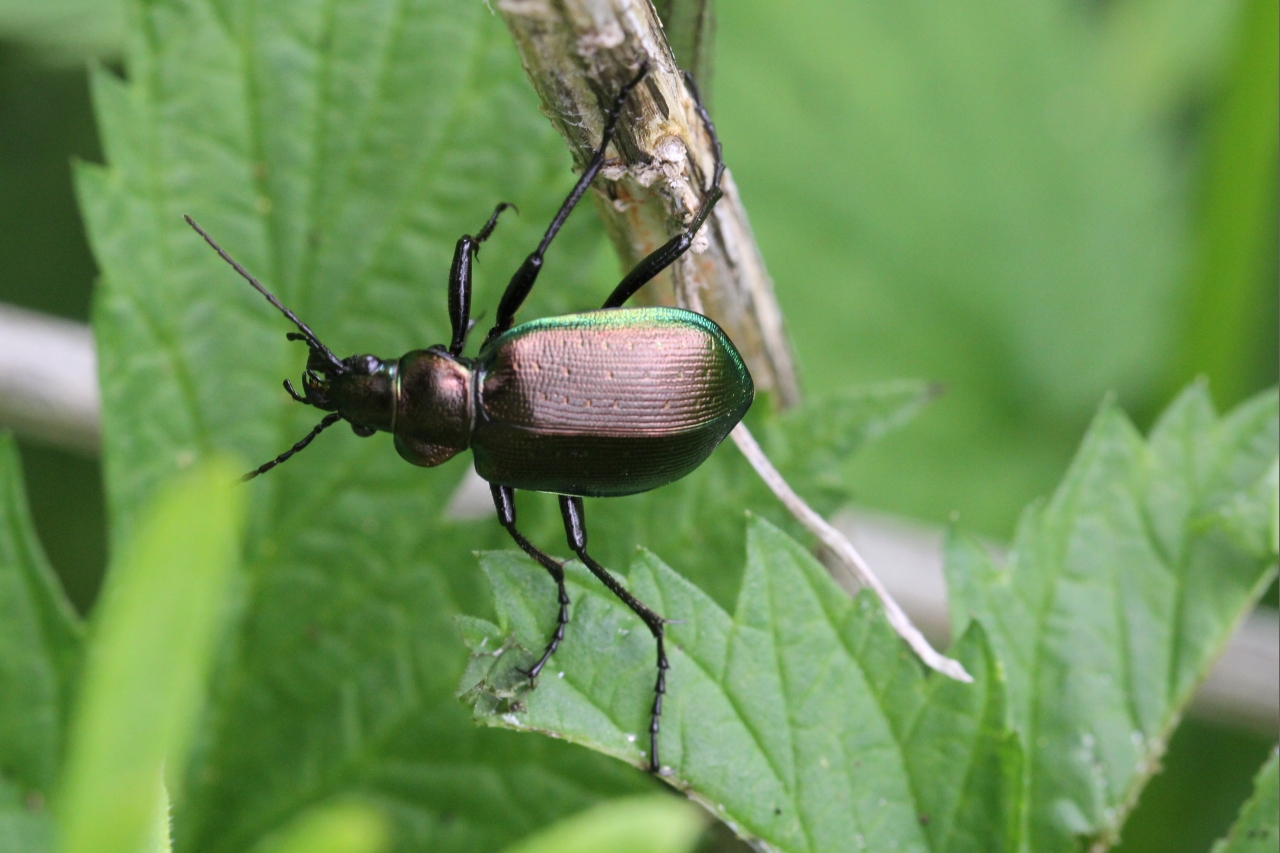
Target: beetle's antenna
[307,334]
[329,420]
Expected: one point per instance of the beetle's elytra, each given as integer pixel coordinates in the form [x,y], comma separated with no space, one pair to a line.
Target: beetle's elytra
[598,404]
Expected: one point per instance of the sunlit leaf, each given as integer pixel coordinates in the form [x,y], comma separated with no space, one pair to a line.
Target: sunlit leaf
[341,827]
[653,824]
[1120,592]
[66,31]
[151,647]
[800,720]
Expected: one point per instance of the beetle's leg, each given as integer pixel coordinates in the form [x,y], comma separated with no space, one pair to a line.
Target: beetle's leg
[522,282]
[665,255]
[297,398]
[576,530]
[467,249]
[504,500]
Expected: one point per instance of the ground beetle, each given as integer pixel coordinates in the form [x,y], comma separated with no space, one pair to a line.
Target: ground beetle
[599,404]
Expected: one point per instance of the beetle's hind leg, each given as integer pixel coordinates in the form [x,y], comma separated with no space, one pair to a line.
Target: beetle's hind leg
[576,530]
[504,500]
[666,254]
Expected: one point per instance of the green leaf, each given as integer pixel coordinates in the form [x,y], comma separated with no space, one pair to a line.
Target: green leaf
[1163,53]
[801,720]
[338,150]
[25,825]
[1255,831]
[1232,273]
[340,827]
[1119,593]
[160,833]
[652,824]
[40,647]
[65,31]
[165,602]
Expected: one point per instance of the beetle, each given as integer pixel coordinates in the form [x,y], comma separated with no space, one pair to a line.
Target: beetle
[597,404]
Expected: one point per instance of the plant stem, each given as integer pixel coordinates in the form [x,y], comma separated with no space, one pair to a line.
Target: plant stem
[849,557]
[578,53]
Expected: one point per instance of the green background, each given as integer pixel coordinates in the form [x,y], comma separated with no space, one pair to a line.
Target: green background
[1033,204]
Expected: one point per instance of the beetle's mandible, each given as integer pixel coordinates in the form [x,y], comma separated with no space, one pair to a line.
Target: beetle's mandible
[598,404]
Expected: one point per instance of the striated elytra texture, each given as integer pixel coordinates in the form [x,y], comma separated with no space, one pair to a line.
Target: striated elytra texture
[606,403]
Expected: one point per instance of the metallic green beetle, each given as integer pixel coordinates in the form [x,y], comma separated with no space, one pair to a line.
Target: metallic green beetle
[599,404]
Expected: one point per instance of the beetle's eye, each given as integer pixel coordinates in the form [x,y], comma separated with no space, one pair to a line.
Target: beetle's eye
[362,431]
[364,365]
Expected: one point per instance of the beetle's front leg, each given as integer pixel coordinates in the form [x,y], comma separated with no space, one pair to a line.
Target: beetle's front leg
[504,500]
[468,249]
[576,530]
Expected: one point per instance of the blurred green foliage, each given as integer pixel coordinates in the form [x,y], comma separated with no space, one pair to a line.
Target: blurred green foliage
[45,121]
[41,640]
[65,32]
[646,824]
[348,826]
[993,195]
[151,646]
[1233,295]
[1022,201]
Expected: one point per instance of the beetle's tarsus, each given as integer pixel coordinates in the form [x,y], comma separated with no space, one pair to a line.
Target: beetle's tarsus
[298,398]
[575,528]
[487,230]
[504,501]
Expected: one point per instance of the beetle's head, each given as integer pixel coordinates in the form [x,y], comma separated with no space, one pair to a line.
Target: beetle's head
[362,391]
[359,389]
